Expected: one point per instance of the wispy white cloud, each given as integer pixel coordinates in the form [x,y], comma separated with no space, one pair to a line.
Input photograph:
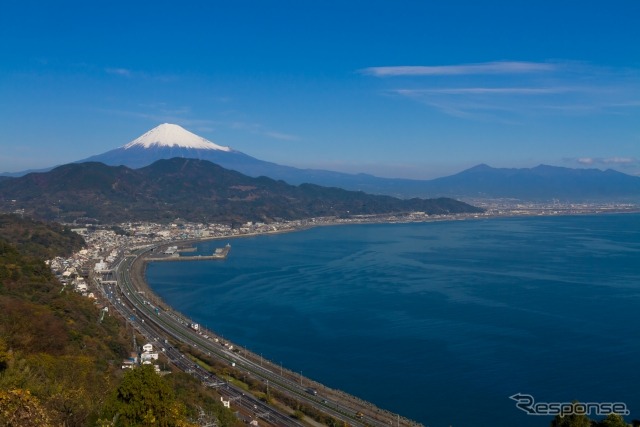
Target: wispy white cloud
[124,72]
[623,163]
[162,108]
[259,129]
[282,136]
[499,67]
[489,91]
[509,91]
[486,91]
[137,74]
[619,160]
[157,116]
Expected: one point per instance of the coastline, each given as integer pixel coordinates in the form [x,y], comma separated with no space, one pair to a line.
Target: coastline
[138,277]
[385,219]
[139,272]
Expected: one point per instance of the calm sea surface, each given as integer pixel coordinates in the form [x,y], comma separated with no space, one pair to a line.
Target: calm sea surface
[440,322]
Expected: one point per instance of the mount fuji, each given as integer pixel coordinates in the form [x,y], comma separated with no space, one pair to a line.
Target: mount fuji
[164,142]
[167,141]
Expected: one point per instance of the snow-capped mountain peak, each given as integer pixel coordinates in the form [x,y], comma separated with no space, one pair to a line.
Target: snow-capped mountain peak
[170,135]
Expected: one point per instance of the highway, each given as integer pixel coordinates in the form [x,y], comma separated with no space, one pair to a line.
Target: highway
[159,327]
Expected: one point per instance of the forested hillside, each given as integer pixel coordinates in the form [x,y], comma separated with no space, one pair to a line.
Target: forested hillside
[35,238]
[194,190]
[60,364]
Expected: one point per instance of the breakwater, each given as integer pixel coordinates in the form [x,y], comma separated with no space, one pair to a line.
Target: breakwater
[218,254]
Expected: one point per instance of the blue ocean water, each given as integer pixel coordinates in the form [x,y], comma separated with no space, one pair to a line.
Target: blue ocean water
[440,322]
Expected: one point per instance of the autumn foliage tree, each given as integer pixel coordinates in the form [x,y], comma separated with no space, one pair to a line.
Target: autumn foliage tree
[18,408]
[144,398]
[59,356]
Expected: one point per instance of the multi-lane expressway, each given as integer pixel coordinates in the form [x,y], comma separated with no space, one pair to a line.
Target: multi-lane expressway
[160,327]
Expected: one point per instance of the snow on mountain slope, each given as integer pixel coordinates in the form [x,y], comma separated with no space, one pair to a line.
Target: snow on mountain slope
[170,135]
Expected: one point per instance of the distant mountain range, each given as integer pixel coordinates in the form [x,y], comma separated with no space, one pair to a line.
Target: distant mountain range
[480,182]
[195,190]
[536,184]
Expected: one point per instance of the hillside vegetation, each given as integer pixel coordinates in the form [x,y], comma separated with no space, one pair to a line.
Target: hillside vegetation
[38,239]
[57,362]
[194,190]
[60,364]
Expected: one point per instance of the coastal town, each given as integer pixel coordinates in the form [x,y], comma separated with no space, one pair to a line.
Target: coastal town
[92,270]
[93,265]
[105,242]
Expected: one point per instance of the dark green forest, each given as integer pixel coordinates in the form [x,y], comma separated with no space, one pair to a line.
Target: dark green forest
[194,190]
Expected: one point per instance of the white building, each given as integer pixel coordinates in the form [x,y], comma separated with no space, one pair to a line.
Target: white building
[101,267]
[81,286]
[148,355]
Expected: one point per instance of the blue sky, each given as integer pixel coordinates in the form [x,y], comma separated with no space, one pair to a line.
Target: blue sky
[414,89]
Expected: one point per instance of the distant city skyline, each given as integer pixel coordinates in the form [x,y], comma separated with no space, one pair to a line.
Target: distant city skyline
[407,89]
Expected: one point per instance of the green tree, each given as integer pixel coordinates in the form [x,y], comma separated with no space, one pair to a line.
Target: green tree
[613,420]
[573,420]
[143,398]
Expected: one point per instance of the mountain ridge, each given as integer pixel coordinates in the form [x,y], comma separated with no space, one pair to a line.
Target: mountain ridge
[540,183]
[195,190]
[543,182]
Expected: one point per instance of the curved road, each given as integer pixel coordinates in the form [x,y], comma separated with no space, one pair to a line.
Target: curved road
[157,325]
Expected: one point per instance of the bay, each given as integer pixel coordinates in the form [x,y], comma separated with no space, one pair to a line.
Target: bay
[441,321]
